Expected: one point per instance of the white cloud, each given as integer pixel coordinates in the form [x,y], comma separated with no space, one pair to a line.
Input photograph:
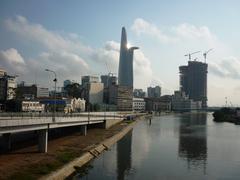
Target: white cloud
[185,34]
[49,39]
[190,31]
[141,26]
[69,57]
[12,60]
[142,70]
[171,34]
[108,56]
[227,68]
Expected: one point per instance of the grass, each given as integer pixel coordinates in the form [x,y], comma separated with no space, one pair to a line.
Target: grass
[128,121]
[41,169]
[67,156]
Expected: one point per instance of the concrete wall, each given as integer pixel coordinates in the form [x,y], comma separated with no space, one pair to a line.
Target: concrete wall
[110,122]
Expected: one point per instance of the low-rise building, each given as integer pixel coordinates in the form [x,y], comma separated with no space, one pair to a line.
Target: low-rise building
[158,104]
[181,102]
[50,103]
[75,105]
[32,106]
[139,104]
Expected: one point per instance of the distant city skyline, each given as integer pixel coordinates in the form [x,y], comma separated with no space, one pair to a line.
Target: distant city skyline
[82,38]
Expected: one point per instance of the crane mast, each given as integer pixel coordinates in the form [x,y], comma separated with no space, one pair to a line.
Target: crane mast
[205,55]
[190,55]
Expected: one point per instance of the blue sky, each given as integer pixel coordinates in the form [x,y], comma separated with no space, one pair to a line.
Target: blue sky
[80,37]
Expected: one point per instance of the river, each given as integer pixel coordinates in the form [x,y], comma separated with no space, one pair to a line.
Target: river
[175,146]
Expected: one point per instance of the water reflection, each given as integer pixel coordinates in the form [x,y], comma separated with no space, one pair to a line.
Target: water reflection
[174,146]
[193,140]
[124,151]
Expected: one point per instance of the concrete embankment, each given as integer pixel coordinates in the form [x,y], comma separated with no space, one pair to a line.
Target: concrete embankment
[68,169]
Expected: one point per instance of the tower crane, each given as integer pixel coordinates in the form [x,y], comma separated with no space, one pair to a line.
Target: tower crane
[190,54]
[205,54]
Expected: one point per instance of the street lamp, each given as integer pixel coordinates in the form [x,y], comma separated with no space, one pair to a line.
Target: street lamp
[55,89]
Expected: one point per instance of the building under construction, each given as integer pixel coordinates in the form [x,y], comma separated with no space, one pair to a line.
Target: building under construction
[193,81]
[124,98]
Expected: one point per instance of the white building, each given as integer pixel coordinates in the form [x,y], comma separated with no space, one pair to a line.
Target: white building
[139,104]
[32,106]
[181,102]
[75,105]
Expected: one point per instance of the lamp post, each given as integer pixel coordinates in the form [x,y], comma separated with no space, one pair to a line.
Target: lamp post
[55,89]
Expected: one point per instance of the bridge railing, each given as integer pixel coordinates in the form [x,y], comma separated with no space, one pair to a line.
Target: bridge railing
[58,114]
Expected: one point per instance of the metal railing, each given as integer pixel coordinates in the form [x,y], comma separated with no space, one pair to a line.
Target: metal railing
[59,114]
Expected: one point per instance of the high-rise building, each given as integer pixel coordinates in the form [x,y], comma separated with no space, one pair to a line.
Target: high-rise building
[67,82]
[2,72]
[7,86]
[108,80]
[125,75]
[139,93]
[92,90]
[154,92]
[94,93]
[125,71]
[89,79]
[193,81]
[124,98]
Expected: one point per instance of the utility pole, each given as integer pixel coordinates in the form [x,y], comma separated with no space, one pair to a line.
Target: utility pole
[55,89]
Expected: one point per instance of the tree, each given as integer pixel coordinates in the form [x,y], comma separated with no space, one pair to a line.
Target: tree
[74,90]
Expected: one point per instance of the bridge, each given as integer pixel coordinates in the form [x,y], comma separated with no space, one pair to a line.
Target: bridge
[42,123]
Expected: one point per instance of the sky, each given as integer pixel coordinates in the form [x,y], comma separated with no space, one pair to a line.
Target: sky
[80,37]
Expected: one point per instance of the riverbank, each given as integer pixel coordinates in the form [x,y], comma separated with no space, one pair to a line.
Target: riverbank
[71,167]
[26,163]
[227,115]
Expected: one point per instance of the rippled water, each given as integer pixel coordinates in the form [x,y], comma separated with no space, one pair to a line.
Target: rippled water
[179,146]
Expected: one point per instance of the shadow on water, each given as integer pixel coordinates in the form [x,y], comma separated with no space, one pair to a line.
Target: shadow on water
[193,140]
[124,152]
[123,162]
